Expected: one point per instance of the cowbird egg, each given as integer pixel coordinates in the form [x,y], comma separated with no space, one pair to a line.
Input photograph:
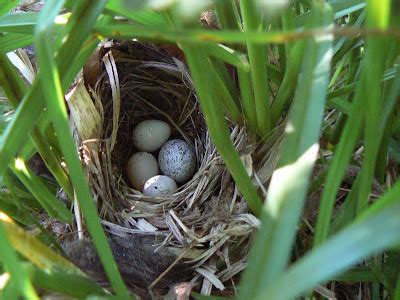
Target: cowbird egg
[159,185]
[141,166]
[149,135]
[177,160]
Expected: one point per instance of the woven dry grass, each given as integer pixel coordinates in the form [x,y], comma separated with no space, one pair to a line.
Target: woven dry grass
[203,231]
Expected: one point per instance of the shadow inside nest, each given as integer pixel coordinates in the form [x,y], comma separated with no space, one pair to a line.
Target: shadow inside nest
[152,86]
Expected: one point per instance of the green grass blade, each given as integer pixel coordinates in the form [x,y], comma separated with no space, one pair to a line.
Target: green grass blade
[386,125]
[351,87]
[13,208]
[338,254]
[247,98]
[347,211]
[52,90]
[15,88]
[377,16]
[228,14]
[373,59]
[246,90]
[354,68]
[344,42]
[74,285]
[5,7]
[18,130]
[222,88]
[11,82]
[12,41]
[52,160]
[287,25]
[341,8]
[10,259]
[145,17]
[390,100]
[340,104]
[271,250]
[288,85]
[356,274]
[26,113]
[337,169]
[258,58]
[81,28]
[34,250]
[229,56]
[387,200]
[53,206]
[396,294]
[196,57]
[123,30]
[19,23]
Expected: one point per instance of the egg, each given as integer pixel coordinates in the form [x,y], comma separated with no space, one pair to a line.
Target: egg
[150,135]
[159,185]
[177,160]
[140,167]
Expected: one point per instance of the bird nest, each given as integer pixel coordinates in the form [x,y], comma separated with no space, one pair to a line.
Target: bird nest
[199,235]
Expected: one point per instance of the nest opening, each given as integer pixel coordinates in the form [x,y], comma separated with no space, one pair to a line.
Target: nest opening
[151,87]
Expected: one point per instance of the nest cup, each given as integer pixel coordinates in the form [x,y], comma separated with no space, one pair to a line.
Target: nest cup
[200,233]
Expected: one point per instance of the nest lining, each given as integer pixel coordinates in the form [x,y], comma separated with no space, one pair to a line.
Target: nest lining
[206,221]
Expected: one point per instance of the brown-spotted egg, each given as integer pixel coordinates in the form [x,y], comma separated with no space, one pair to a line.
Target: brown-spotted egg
[177,160]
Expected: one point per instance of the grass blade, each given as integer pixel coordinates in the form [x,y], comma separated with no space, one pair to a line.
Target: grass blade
[218,128]
[17,130]
[247,98]
[338,254]
[15,88]
[74,285]
[52,90]
[341,8]
[34,250]
[372,62]
[11,261]
[11,41]
[377,16]
[271,250]
[145,17]
[19,23]
[228,14]
[27,112]
[287,86]
[224,91]
[252,21]
[229,56]
[53,206]
[5,7]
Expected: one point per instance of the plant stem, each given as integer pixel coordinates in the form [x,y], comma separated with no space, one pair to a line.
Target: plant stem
[217,126]
[252,22]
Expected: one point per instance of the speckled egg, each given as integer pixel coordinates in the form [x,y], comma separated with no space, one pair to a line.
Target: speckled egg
[140,167]
[149,135]
[159,186]
[177,160]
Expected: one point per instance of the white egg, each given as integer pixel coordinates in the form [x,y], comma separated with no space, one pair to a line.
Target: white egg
[149,135]
[140,167]
[177,160]
[159,185]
